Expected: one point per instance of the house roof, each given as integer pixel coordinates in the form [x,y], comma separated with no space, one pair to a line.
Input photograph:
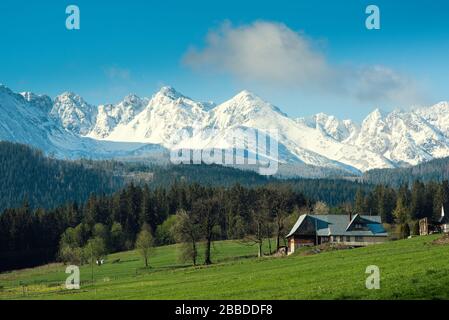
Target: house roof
[444,219]
[339,225]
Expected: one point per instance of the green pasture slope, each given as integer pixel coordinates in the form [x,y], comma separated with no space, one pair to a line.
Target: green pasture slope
[410,269]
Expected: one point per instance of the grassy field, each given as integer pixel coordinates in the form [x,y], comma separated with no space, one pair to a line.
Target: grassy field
[410,269]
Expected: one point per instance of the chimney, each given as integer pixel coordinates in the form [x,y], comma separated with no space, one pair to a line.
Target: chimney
[350,216]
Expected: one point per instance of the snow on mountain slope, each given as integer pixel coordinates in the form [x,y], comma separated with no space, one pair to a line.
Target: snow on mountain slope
[166,116]
[437,116]
[110,116]
[308,145]
[167,113]
[330,125]
[42,101]
[74,113]
[24,119]
[69,127]
[23,122]
[402,137]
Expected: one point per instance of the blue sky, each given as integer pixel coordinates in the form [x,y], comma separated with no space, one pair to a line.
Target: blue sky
[139,46]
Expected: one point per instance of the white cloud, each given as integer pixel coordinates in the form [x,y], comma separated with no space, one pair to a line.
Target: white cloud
[264,51]
[378,83]
[272,54]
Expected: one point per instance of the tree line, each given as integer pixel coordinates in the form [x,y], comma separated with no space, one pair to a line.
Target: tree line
[193,215]
[433,170]
[45,182]
[406,205]
[26,173]
[186,213]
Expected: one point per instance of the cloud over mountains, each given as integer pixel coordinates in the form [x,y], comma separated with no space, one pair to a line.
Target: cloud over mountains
[270,53]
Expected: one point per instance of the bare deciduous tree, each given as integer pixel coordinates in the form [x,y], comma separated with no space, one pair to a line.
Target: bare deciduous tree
[144,243]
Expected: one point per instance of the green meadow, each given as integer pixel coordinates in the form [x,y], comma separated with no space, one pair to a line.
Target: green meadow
[415,268]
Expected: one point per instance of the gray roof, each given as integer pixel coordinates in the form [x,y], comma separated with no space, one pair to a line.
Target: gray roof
[338,225]
[444,220]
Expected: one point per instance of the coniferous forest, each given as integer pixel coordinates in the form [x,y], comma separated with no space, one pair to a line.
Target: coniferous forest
[26,174]
[434,170]
[53,209]
[44,182]
[30,237]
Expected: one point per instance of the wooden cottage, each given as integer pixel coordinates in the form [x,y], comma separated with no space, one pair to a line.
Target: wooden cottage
[359,230]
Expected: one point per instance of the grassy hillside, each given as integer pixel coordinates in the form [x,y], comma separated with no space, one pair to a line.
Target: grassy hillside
[410,269]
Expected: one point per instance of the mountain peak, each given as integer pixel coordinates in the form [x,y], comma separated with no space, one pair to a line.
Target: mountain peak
[377,114]
[74,113]
[69,96]
[170,92]
[5,89]
[30,96]
[42,101]
[383,140]
[246,94]
[444,105]
[132,99]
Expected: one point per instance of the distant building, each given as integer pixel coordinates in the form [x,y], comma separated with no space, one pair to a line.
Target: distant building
[425,227]
[358,231]
[444,222]
[430,226]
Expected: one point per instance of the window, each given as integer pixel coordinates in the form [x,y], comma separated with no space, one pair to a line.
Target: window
[348,239]
[342,239]
[358,239]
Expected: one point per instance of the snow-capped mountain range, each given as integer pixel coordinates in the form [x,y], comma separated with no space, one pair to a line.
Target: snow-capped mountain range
[69,127]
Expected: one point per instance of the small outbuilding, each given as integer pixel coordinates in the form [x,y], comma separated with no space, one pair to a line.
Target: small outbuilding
[356,231]
[444,222]
[430,226]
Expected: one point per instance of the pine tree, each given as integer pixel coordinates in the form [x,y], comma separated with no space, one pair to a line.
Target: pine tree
[401,213]
[404,230]
[418,201]
[359,205]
